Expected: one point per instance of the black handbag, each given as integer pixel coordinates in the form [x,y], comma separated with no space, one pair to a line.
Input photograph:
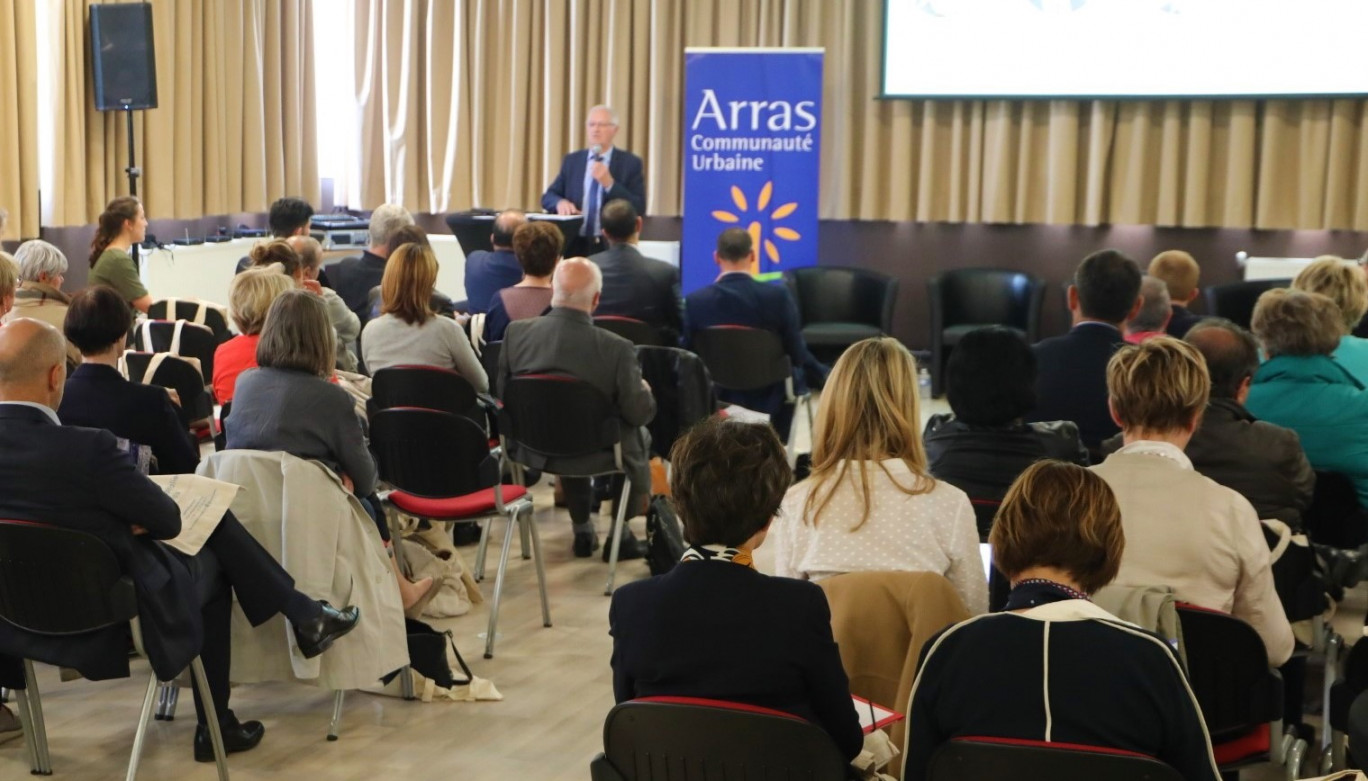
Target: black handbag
[427,655]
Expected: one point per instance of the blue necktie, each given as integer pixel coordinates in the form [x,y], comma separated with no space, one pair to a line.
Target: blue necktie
[591,204]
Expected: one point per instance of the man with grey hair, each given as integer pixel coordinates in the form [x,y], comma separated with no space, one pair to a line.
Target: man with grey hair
[42,268]
[1152,318]
[565,341]
[590,178]
[354,277]
[489,271]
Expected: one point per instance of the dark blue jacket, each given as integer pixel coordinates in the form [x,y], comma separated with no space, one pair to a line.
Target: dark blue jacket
[486,273]
[640,287]
[99,397]
[1071,383]
[628,181]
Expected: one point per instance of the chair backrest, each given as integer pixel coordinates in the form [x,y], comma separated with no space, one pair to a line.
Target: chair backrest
[683,392]
[741,358]
[489,359]
[428,387]
[1228,671]
[208,315]
[987,296]
[172,372]
[662,738]
[1235,301]
[1335,516]
[828,294]
[221,436]
[559,416]
[975,758]
[196,341]
[638,332]
[430,453]
[56,581]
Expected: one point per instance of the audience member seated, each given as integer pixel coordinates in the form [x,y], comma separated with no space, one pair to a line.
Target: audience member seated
[869,504]
[287,404]
[354,277]
[537,246]
[249,297]
[440,303]
[1072,384]
[714,627]
[1181,274]
[489,271]
[42,268]
[737,298]
[1302,387]
[345,323]
[1154,314]
[634,285]
[289,218]
[79,478]
[407,330]
[121,225]
[1055,667]
[566,341]
[1346,286]
[1183,529]
[984,445]
[9,283]
[98,396]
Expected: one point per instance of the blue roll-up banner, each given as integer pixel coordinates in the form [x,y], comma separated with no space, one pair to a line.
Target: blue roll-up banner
[752,151]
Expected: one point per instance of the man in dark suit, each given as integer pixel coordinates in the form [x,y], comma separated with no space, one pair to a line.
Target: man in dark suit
[354,277]
[590,178]
[736,298]
[1072,379]
[634,285]
[489,271]
[565,341]
[79,478]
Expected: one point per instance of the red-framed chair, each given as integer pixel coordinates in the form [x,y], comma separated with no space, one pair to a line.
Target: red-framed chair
[638,332]
[442,469]
[1012,759]
[666,738]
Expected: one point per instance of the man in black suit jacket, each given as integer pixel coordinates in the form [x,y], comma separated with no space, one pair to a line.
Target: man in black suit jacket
[634,285]
[1072,379]
[566,341]
[714,627]
[79,478]
[590,178]
[354,277]
[736,298]
[489,271]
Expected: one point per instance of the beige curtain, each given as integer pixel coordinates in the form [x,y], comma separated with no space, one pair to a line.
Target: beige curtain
[473,104]
[19,119]
[234,127]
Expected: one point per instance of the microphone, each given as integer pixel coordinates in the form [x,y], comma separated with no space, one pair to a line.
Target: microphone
[596,152]
[150,242]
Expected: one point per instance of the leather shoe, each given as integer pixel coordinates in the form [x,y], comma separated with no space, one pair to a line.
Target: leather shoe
[585,544]
[315,636]
[631,547]
[237,737]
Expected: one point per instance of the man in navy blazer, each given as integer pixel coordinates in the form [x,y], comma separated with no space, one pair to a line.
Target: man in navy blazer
[590,178]
[79,478]
[736,298]
[489,271]
[1071,383]
[634,285]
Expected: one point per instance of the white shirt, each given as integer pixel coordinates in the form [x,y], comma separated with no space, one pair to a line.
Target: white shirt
[1203,539]
[930,532]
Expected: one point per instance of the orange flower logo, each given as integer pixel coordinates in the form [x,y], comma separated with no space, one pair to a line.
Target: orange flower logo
[761,203]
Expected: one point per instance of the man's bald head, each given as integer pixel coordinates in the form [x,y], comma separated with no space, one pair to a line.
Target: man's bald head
[576,284]
[1231,353]
[505,225]
[32,362]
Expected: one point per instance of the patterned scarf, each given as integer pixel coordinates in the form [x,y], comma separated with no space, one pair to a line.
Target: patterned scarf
[740,556]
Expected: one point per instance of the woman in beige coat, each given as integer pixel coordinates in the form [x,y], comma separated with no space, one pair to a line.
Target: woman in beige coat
[39,294]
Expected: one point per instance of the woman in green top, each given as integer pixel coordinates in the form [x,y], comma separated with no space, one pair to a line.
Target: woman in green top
[122,224]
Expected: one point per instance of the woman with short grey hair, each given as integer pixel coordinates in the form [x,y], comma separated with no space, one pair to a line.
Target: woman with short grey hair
[42,268]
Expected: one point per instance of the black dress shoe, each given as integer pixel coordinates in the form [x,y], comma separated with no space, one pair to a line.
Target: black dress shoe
[631,547]
[237,737]
[314,637]
[585,544]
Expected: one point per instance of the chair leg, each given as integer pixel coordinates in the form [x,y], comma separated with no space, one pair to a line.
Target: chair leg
[480,553]
[526,519]
[211,718]
[524,541]
[335,727]
[1333,644]
[168,694]
[498,589]
[143,718]
[27,704]
[619,524]
[35,703]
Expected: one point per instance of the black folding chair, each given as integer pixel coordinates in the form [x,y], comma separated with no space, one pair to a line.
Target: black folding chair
[638,332]
[208,315]
[64,583]
[664,738]
[427,387]
[180,337]
[741,358]
[177,374]
[974,759]
[458,479]
[565,427]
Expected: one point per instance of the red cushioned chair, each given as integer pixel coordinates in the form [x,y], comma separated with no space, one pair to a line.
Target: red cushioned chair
[976,758]
[425,387]
[638,332]
[442,469]
[666,738]
[1240,696]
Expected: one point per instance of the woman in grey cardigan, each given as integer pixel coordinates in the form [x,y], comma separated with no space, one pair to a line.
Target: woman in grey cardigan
[288,404]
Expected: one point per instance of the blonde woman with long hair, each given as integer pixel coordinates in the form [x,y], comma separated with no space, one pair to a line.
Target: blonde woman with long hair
[870,503]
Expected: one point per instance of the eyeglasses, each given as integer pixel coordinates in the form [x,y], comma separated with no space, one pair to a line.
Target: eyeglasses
[600,124]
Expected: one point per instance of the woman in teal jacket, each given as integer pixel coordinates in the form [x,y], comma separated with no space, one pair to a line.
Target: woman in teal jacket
[1302,387]
[1345,284]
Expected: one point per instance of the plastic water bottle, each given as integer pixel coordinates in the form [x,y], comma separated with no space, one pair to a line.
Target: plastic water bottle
[924,384]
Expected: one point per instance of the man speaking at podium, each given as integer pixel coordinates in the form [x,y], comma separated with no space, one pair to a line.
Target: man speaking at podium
[591,177]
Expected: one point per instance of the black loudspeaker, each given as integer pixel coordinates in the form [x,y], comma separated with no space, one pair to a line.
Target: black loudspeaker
[125,60]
